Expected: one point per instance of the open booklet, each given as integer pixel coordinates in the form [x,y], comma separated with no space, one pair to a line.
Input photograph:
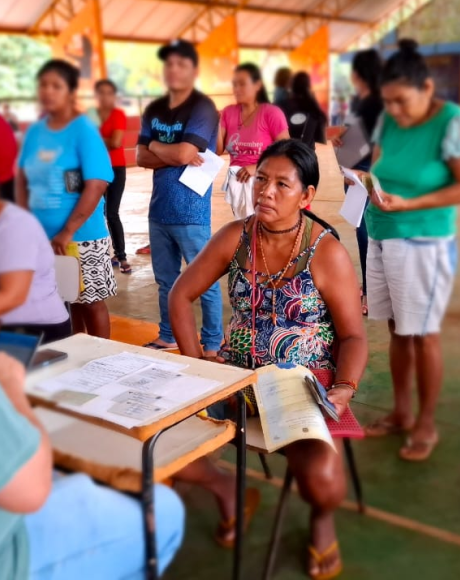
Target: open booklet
[287,407]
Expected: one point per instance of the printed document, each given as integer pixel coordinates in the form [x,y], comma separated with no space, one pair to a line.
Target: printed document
[288,411]
[355,199]
[127,389]
[200,179]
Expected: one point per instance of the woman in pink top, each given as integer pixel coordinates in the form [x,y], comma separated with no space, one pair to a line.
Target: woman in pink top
[247,129]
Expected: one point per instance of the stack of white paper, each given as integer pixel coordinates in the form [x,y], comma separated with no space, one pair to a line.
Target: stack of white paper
[355,200]
[199,179]
[127,389]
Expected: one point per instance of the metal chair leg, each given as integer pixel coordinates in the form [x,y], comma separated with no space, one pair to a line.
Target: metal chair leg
[265,466]
[276,532]
[350,456]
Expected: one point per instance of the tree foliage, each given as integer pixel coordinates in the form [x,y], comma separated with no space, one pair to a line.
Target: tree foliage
[20,58]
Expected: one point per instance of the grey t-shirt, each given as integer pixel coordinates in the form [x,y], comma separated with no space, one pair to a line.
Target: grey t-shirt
[25,247]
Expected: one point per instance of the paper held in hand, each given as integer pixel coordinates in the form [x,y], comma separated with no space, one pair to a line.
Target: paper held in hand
[288,411]
[355,199]
[199,179]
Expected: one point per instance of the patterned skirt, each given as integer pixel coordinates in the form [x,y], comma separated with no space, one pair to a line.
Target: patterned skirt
[97,277]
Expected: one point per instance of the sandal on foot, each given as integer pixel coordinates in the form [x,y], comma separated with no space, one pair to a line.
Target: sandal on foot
[383,427]
[226,532]
[155,346]
[418,450]
[126,269]
[145,251]
[115,262]
[319,559]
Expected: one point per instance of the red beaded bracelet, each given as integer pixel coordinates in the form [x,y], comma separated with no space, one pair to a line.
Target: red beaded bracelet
[353,385]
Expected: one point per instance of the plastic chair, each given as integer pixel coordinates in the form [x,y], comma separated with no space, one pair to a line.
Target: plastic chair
[67,277]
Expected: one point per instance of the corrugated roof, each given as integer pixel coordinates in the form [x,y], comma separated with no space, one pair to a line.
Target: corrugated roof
[261,23]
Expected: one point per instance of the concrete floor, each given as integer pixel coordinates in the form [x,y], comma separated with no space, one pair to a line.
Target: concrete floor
[412,531]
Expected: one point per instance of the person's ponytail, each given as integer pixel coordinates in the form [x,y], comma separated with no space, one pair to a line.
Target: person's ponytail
[406,66]
[262,95]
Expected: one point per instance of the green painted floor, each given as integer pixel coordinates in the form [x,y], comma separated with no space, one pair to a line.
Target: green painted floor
[372,550]
[427,493]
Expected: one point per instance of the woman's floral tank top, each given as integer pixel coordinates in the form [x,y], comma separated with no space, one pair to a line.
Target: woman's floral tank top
[303,333]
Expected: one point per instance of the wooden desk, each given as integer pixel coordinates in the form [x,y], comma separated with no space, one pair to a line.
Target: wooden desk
[82,349]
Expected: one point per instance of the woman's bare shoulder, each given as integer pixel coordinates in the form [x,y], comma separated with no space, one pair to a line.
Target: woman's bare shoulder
[228,237]
[330,252]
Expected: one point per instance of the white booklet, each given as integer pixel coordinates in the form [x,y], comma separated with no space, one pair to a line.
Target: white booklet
[355,199]
[199,179]
[288,411]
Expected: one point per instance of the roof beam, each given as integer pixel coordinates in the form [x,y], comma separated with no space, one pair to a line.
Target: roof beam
[237,6]
[204,18]
[340,7]
[63,8]
[373,32]
[49,34]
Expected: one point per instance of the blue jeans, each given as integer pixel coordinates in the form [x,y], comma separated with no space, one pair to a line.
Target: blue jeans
[89,532]
[168,245]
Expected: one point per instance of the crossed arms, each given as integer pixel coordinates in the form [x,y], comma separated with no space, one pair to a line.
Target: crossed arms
[158,155]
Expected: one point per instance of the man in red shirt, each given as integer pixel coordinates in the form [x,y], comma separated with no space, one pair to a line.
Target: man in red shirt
[113,128]
[8,154]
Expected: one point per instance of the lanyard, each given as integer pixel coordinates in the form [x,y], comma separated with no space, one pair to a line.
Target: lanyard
[253,295]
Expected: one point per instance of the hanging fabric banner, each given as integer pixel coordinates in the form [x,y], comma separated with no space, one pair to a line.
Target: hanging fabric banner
[81,43]
[218,57]
[312,56]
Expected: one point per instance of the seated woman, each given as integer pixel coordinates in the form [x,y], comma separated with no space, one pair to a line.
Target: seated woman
[308,313]
[29,298]
[67,528]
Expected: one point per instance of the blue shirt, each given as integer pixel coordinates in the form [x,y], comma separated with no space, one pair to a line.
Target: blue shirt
[19,442]
[195,121]
[45,157]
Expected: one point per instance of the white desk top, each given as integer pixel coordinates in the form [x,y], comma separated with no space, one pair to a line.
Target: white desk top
[82,349]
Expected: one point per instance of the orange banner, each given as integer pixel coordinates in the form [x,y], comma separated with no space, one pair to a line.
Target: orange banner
[218,57]
[82,44]
[312,56]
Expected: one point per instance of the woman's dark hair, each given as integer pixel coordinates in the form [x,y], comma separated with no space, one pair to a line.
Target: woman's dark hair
[301,90]
[254,72]
[407,66]
[283,77]
[106,83]
[368,66]
[300,155]
[305,161]
[69,73]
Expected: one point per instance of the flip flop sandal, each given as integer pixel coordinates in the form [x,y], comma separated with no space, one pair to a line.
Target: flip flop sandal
[155,346]
[145,251]
[383,428]
[226,532]
[126,269]
[319,559]
[115,262]
[418,450]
